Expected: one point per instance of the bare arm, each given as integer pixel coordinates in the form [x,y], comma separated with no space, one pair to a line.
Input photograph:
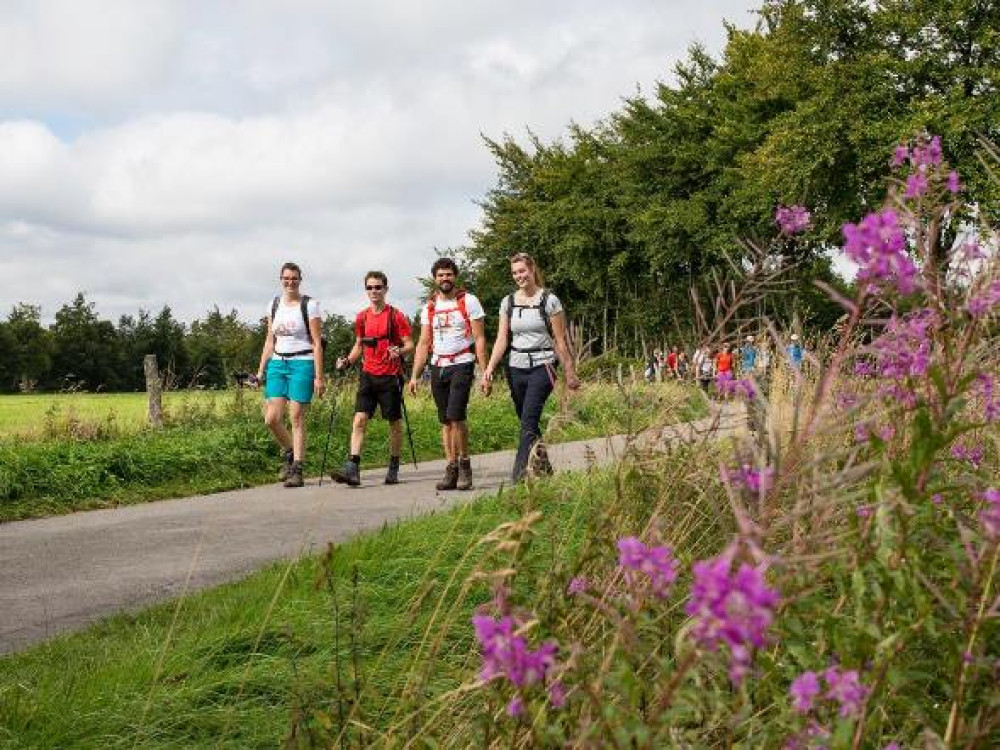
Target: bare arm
[499,347]
[266,353]
[316,332]
[479,336]
[562,350]
[420,356]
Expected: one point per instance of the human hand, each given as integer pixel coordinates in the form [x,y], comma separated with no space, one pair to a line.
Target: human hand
[412,387]
[319,385]
[572,381]
[394,352]
[342,362]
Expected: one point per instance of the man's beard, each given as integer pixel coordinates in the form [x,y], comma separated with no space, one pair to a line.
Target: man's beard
[446,286]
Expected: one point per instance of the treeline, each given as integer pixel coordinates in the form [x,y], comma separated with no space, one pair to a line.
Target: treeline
[82,351]
[626,217]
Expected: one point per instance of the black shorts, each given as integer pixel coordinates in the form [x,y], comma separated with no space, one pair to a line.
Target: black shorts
[450,386]
[382,391]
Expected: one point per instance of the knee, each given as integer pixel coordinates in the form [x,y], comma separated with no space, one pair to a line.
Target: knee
[360,420]
[298,420]
[272,418]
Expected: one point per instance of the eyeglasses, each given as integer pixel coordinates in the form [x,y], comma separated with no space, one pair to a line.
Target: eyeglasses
[374,287]
[295,279]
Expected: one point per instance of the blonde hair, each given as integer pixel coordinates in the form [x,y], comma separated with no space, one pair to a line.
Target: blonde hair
[530,263]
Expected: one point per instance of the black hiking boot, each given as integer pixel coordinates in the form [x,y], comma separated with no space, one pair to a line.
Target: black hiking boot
[349,474]
[464,481]
[286,465]
[294,478]
[392,473]
[450,480]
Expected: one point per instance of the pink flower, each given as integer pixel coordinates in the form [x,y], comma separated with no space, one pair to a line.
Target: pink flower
[877,244]
[557,694]
[982,304]
[578,585]
[731,608]
[792,219]
[954,186]
[899,156]
[989,518]
[657,564]
[968,452]
[916,185]
[506,655]
[804,690]
[845,687]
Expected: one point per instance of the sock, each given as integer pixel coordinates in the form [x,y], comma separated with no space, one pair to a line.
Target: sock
[393,460]
[355,458]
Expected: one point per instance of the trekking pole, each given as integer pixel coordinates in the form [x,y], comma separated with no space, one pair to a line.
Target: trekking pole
[329,432]
[406,418]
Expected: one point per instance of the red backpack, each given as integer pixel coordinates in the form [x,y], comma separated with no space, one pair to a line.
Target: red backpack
[460,299]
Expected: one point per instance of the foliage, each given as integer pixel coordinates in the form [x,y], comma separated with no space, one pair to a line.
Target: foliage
[626,217]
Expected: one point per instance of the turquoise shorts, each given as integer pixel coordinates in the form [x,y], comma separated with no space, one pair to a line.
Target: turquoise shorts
[290,378]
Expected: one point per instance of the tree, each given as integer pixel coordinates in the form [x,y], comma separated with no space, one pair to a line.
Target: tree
[86,353]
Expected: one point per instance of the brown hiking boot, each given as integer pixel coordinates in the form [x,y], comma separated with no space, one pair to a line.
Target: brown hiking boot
[464,481]
[450,480]
[294,478]
[540,465]
[286,464]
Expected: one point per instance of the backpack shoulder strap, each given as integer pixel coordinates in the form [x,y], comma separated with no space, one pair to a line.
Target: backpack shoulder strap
[430,321]
[543,310]
[460,299]
[304,308]
[389,325]
[274,307]
[359,323]
[510,306]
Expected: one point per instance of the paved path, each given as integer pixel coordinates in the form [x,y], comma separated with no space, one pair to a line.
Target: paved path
[62,573]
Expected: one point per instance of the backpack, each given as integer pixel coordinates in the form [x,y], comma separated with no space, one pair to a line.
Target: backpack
[460,300]
[542,308]
[304,309]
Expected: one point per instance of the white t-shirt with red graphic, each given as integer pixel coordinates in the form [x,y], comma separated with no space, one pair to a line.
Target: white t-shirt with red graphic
[290,332]
[449,331]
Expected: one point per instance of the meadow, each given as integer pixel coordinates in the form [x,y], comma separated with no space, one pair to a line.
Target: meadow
[215,441]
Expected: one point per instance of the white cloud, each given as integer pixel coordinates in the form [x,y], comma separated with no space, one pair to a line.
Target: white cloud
[215,140]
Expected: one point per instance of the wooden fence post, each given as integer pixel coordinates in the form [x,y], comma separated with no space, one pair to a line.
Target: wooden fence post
[155,390]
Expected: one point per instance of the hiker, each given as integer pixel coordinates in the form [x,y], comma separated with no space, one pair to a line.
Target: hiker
[748,357]
[533,324]
[704,366]
[381,341]
[452,336]
[682,364]
[724,362]
[291,368]
[795,352]
[671,363]
[652,370]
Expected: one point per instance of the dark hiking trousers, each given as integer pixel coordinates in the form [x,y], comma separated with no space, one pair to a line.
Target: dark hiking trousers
[529,387]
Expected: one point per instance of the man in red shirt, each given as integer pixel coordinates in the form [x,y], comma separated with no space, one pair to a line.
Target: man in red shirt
[724,361]
[382,339]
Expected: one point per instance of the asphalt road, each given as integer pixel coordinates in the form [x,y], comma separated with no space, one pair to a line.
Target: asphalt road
[62,573]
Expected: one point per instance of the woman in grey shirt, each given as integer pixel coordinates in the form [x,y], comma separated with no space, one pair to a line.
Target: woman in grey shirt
[533,322]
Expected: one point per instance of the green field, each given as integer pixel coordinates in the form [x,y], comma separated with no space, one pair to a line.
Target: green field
[46,414]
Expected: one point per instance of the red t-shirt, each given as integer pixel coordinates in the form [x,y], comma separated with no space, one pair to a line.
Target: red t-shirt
[672,361]
[724,362]
[375,360]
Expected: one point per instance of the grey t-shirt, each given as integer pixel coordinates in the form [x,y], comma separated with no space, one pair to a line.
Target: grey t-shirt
[527,330]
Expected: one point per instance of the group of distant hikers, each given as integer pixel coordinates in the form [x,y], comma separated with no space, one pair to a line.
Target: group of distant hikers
[708,364]
[532,334]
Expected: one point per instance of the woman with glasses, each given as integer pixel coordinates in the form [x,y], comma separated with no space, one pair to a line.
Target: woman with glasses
[291,368]
[533,324]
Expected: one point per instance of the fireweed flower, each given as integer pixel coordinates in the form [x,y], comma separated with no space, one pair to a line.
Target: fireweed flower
[965,452]
[916,185]
[899,156]
[751,479]
[792,219]
[991,403]
[507,656]
[731,608]
[989,517]
[845,687]
[982,304]
[878,245]
[577,585]
[804,690]
[904,348]
[928,155]
[953,184]
[727,385]
[657,564]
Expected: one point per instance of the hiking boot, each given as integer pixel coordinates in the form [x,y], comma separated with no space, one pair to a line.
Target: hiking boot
[392,473]
[294,478]
[464,481]
[286,465]
[450,480]
[541,466]
[349,474]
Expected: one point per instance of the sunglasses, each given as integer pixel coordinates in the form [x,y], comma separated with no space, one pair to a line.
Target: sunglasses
[374,287]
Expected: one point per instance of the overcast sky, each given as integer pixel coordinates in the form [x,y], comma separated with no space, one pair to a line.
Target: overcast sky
[169,152]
